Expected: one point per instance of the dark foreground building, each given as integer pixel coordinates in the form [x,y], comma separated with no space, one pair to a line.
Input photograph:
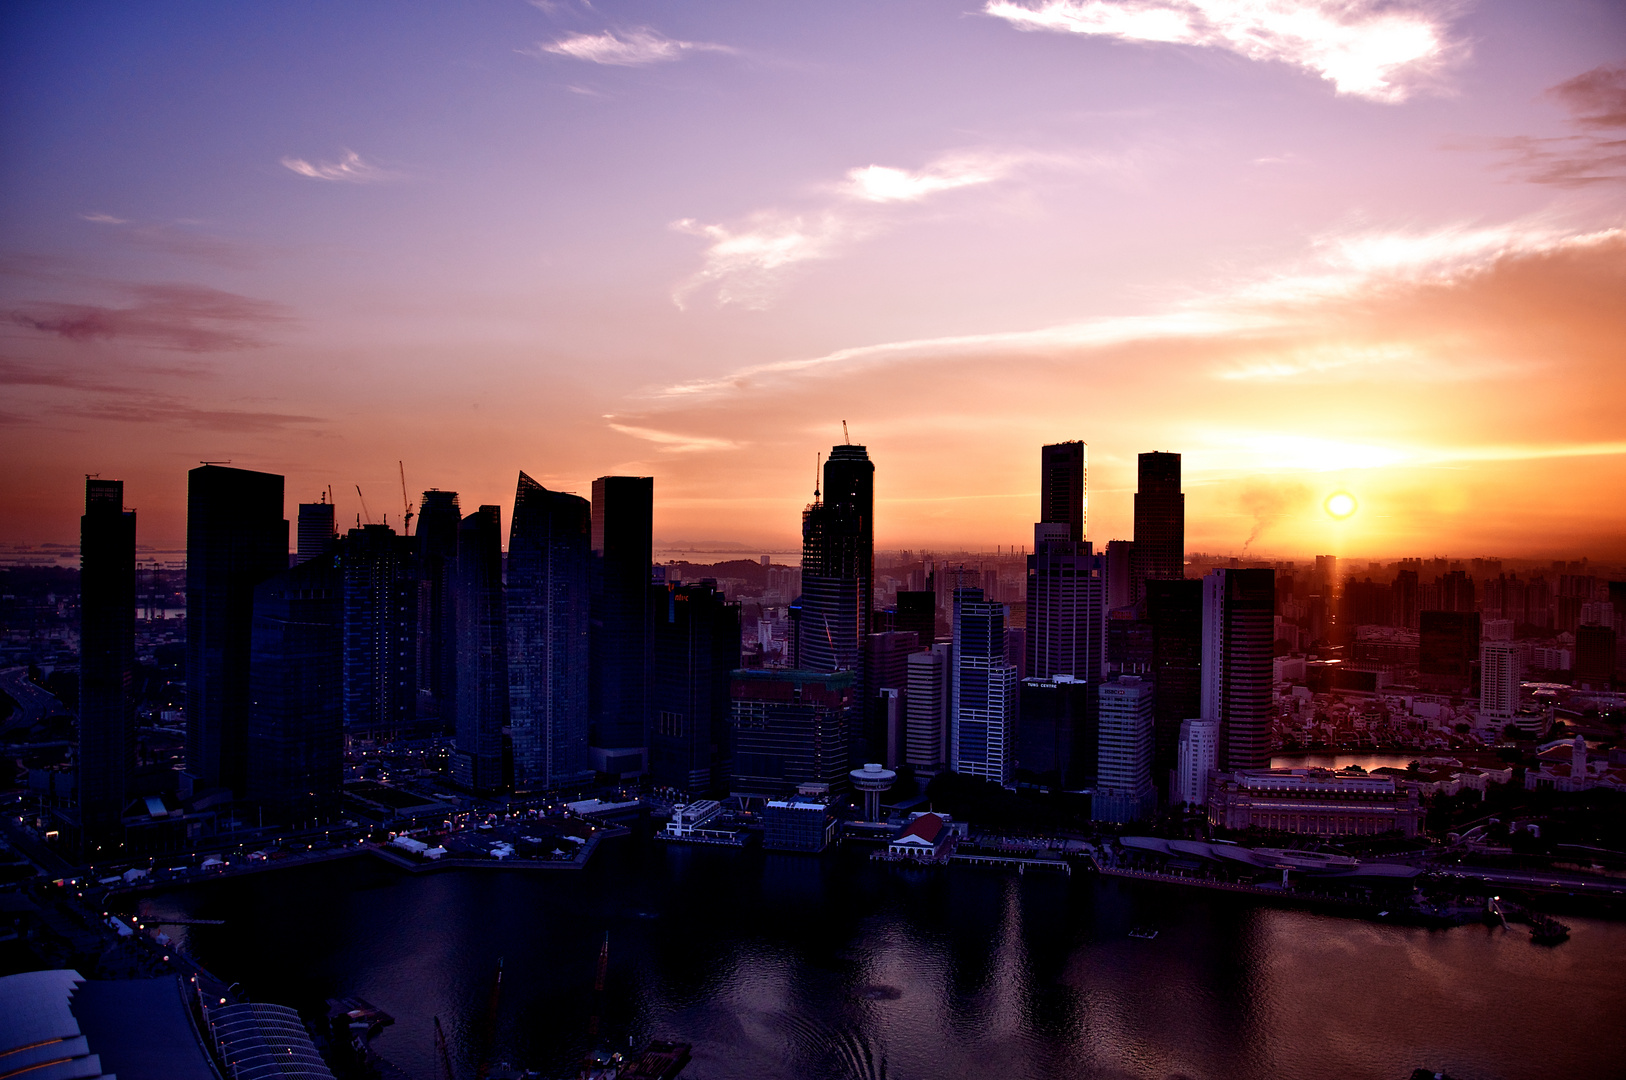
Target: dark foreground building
[695,648]
[790,729]
[480,629]
[623,513]
[107,597]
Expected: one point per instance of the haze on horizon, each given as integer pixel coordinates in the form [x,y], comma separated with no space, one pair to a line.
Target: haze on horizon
[1312,246]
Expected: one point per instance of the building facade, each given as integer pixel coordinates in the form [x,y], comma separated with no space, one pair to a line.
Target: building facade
[694,635]
[926,709]
[1064,487]
[107,606]
[1159,553]
[1196,755]
[1312,802]
[480,632]
[789,729]
[983,690]
[1237,650]
[1123,788]
[623,513]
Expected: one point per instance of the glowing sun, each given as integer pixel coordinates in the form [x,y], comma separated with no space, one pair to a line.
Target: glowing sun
[1340,505]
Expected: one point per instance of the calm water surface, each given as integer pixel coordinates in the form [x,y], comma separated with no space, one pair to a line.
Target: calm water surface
[799,967]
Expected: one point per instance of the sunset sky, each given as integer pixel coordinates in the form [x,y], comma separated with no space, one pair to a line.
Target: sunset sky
[1315,246]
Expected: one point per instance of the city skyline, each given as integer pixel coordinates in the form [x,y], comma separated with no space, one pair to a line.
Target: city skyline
[1376,250]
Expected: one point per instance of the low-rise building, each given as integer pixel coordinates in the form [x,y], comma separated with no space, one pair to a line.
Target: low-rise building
[797,825]
[926,839]
[1312,802]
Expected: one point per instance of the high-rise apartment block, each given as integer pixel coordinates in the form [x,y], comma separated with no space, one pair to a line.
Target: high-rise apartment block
[1237,650]
[236,537]
[107,604]
[623,514]
[1160,523]
[1196,755]
[1499,674]
[1124,790]
[316,529]
[547,593]
[983,692]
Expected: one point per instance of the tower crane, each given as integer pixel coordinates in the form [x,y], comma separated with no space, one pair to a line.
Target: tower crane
[368,514]
[406,503]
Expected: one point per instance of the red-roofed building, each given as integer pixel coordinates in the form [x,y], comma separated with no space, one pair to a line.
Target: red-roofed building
[926,838]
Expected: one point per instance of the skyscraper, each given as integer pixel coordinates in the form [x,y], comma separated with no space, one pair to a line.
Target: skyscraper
[438,520]
[107,595]
[694,634]
[548,552]
[1238,640]
[316,532]
[1057,734]
[381,580]
[623,509]
[983,692]
[926,709]
[1499,673]
[1124,789]
[1160,523]
[1067,587]
[1064,487]
[236,537]
[480,629]
[1196,755]
[838,565]
[1174,609]
[296,678]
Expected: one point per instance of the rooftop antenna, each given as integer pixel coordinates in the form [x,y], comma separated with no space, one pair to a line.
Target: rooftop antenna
[226,462]
[816,456]
[404,500]
[844,436]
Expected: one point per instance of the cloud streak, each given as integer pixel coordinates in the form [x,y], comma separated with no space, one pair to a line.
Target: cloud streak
[743,259]
[1365,48]
[190,318]
[625,48]
[350,169]
[1596,101]
[670,442]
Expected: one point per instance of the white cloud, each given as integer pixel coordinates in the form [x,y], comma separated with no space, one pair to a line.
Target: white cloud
[743,259]
[629,48]
[673,443]
[1365,48]
[348,168]
[105,219]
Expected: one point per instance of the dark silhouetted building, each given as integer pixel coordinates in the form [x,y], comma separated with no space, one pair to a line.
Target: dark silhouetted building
[1129,640]
[1448,645]
[107,604]
[886,668]
[1237,653]
[438,520]
[694,636]
[1594,656]
[1174,609]
[916,610]
[316,531]
[381,580]
[1124,790]
[925,709]
[296,711]
[480,632]
[548,551]
[1057,737]
[236,537]
[1160,523]
[1064,487]
[789,729]
[623,509]
[1066,595]
[838,566]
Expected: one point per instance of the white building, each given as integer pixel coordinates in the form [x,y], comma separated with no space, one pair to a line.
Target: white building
[1124,767]
[1195,756]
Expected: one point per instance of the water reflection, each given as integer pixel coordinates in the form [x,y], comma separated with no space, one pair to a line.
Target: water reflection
[779,966]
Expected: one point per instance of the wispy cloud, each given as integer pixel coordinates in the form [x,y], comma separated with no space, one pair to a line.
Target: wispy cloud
[105,219]
[1596,101]
[1366,48]
[192,318]
[671,442]
[175,238]
[350,168]
[625,48]
[743,259]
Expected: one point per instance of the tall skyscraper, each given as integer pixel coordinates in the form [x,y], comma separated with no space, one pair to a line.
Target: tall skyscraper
[1196,755]
[316,532]
[1174,609]
[789,730]
[1238,641]
[886,667]
[107,599]
[623,509]
[1067,591]
[480,629]
[838,565]
[1064,487]
[1499,674]
[296,676]
[236,537]
[1124,789]
[381,582]
[1160,523]
[548,550]
[983,692]
[694,635]
[438,520]
[925,743]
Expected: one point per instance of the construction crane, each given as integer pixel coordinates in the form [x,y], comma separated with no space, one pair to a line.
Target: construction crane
[365,512]
[844,436]
[405,502]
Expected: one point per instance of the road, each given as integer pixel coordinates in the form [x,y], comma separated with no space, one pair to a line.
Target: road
[33,703]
